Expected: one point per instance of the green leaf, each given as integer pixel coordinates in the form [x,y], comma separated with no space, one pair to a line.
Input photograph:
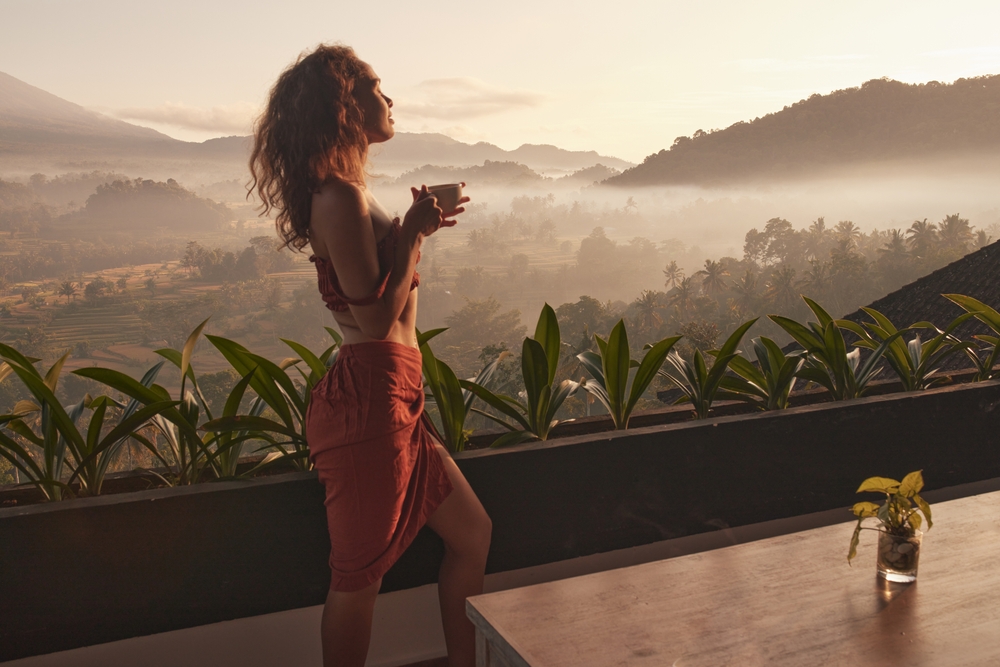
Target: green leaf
[424,337]
[594,365]
[821,315]
[911,484]
[648,367]
[733,342]
[801,334]
[535,373]
[983,312]
[512,438]
[616,370]
[249,423]
[52,377]
[18,359]
[547,335]
[926,509]
[502,404]
[879,485]
[189,346]
[865,509]
[338,340]
[315,365]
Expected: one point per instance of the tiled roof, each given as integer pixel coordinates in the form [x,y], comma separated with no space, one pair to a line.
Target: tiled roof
[976,275]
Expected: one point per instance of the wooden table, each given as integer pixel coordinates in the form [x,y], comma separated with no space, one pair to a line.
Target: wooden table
[790,600]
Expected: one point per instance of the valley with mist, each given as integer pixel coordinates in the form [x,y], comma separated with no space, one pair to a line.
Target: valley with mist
[116,240]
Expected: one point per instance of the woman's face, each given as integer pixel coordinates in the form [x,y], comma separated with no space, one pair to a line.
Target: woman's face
[376,107]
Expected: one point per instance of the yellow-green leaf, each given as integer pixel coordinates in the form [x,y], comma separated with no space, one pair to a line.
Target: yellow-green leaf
[189,347]
[22,408]
[5,370]
[865,509]
[879,484]
[926,509]
[911,484]
[52,377]
[914,520]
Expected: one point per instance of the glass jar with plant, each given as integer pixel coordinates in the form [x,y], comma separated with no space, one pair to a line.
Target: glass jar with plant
[899,535]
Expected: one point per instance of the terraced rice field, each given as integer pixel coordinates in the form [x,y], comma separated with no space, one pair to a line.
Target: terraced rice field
[101,326]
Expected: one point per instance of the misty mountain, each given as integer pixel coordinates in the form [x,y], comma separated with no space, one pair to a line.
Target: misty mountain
[31,118]
[34,122]
[489,173]
[882,120]
[416,149]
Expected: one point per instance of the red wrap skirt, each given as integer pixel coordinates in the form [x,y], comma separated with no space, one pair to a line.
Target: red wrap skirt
[376,458]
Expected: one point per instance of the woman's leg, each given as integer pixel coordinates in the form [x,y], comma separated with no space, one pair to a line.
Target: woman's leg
[347,626]
[465,528]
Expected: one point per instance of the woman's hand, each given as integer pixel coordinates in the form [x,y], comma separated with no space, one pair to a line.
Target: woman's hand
[424,216]
[459,209]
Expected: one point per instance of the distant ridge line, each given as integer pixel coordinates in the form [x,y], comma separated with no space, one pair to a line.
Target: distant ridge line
[881,120]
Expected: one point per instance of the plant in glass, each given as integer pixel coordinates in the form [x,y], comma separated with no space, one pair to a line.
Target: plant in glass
[611,367]
[828,363]
[899,524]
[448,394]
[536,416]
[700,384]
[986,359]
[768,383]
[66,456]
[914,361]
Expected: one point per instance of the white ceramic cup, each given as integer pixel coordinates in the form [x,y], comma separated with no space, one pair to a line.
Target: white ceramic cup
[447,196]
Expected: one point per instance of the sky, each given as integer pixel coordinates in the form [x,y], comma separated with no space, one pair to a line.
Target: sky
[622,77]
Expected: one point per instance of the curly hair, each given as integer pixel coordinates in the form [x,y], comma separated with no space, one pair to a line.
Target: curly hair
[311,132]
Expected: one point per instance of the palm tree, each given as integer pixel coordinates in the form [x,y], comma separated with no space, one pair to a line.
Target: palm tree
[67,289]
[713,274]
[982,238]
[746,294]
[846,229]
[817,279]
[673,273]
[782,288]
[955,235]
[895,246]
[682,297]
[922,237]
[630,205]
[646,307]
[816,238]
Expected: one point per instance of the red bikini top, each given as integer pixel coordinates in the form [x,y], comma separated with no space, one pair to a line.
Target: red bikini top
[329,286]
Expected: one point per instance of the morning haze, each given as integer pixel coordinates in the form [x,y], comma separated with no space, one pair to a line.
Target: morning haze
[117,239]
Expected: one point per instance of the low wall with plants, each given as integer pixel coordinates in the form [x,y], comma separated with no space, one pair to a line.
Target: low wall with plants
[96,568]
[66,451]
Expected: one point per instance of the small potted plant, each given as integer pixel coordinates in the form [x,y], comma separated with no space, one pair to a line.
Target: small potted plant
[899,530]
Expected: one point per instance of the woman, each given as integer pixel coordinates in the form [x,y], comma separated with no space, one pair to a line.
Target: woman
[385,475]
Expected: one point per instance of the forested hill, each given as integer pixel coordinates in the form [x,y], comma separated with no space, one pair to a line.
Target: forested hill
[881,120]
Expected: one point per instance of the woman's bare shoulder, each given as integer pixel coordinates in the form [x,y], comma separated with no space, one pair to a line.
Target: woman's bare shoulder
[339,210]
[340,199]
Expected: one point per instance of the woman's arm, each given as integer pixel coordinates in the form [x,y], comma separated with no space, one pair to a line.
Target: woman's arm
[341,222]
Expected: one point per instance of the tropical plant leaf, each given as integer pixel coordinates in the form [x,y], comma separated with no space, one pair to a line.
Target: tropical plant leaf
[911,484]
[879,485]
[513,438]
[189,346]
[547,335]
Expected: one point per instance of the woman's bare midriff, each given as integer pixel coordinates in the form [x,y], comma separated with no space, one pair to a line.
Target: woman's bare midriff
[404,331]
